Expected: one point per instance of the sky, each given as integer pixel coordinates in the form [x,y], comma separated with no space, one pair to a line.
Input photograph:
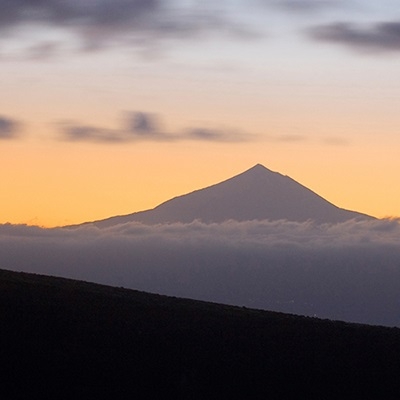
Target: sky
[110,107]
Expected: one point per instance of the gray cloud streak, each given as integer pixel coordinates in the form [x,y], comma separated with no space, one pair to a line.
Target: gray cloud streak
[43,51]
[61,12]
[141,126]
[348,271]
[380,37]
[100,23]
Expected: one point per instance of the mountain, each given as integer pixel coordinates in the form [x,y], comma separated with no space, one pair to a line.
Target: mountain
[67,339]
[255,194]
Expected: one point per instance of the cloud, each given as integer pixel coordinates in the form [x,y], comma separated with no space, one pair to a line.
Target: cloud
[9,128]
[143,123]
[43,50]
[90,14]
[141,126]
[101,23]
[348,271]
[86,133]
[297,6]
[379,37]
[217,135]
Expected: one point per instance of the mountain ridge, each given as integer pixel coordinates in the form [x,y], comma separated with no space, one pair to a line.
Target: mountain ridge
[255,194]
[70,339]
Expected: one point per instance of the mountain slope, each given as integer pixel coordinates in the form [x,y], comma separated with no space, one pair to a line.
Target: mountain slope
[67,339]
[255,194]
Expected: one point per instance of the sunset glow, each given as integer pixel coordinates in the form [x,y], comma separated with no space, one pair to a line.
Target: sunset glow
[108,113]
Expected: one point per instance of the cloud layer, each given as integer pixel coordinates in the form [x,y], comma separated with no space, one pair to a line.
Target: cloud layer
[94,25]
[144,24]
[379,37]
[348,271]
[100,23]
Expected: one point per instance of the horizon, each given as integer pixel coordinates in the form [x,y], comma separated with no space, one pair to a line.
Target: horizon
[111,107]
[255,167]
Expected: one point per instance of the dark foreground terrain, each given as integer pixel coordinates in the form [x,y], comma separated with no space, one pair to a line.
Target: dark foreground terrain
[65,339]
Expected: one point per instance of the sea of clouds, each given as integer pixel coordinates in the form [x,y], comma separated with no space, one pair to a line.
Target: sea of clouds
[348,271]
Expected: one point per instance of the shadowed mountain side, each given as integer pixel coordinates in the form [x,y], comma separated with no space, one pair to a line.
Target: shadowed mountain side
[256,194]
[67,339]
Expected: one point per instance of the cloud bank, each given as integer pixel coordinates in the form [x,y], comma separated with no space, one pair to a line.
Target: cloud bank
[142,126]
[348,271]
[97,24]
[379,37]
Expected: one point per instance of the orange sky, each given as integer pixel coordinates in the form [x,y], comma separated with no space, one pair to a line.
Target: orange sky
[57,184]
[301,97]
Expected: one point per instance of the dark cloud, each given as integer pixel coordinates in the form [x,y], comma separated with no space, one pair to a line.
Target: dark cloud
[90,14]
[348,271]
[85,133]
[9,128]
[137,126]
[380,37]
[100,23]
[142,126]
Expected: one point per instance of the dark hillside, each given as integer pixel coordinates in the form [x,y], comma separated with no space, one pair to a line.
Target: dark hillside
[66,339]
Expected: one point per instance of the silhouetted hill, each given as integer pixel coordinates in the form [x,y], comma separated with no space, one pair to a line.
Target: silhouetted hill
[65,339]
[256,194]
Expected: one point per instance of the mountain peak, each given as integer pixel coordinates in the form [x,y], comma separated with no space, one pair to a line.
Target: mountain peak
[255,194]
[258,171]
[261,171]
[259,167]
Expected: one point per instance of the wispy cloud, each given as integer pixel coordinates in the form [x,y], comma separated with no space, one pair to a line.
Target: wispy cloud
[347,271]
[86,133]
[142,126]
[101,23]
[9,128]
[43,50]
[379,37]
